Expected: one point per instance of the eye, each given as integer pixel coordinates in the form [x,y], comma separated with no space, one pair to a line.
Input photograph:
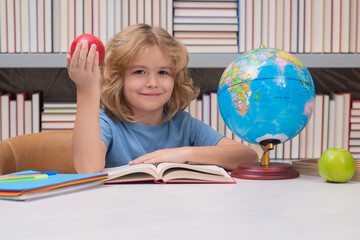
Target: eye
[139,72]
[163,73]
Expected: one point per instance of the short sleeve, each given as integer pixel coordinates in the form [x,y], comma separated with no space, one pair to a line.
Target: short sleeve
[106,128]
[203,135]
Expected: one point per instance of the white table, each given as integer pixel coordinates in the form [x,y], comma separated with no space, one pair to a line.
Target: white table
[302,208]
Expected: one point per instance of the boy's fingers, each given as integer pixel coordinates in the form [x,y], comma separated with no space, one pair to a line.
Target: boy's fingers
[90,57]
[75,57]
[83,54]
[96,61]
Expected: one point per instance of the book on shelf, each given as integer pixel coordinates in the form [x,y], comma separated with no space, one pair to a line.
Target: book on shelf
[354,149]
[21,97]
[257,28]
[205,4]
[317,26]
[17,19]
[294,26]
[318,125]
[37,104]
[57,117]
[5,100]
[354,142]
[232,27]
[168,173]
[3,25]
[287,21]
[13,119]
[203,12]
[355,119]
[54,184]
[325,123]
[28,117]
[208,20]
[345,27]
[199,109]
[310,167]
[208,34]
[354,134]
[279,35]
[355,112]
[213,111]
[301,26]
[57,125]
[297,26]
[336,26]
[354,126]
[327,27]
[212,48]
[208,41]
[206,108]
[355,104]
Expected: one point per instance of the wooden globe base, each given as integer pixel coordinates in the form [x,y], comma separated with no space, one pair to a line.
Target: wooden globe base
[274,171]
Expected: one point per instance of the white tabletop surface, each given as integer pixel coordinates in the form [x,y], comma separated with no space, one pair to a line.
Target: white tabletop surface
[302,208]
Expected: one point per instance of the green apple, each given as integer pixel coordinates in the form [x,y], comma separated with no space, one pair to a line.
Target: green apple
[336,165]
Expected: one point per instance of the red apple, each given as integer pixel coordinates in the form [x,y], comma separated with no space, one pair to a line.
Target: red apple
[91,40]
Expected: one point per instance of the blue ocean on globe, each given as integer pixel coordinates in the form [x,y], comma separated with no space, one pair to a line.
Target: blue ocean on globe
[266,95]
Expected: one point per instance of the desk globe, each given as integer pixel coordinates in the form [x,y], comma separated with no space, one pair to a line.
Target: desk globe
[266,96]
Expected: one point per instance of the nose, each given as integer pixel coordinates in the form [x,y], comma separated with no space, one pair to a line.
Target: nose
[151,81]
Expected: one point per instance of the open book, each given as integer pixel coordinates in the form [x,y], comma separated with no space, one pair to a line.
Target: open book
[167,173]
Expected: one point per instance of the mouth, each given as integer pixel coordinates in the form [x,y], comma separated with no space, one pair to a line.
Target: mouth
[150,94]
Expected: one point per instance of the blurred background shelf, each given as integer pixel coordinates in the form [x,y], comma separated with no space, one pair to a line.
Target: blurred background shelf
[197,60]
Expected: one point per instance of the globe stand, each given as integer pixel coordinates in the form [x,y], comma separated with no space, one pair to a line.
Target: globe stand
[264,170]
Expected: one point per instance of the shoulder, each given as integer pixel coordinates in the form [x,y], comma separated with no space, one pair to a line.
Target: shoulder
[106,121]
[181,115]
[182,118]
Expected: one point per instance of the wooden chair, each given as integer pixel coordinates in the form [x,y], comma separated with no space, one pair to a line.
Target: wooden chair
[45,151]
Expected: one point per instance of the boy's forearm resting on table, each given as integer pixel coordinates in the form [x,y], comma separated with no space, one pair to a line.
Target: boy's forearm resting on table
[226,156]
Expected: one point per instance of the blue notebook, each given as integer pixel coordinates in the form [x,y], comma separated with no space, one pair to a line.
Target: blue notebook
[53,184]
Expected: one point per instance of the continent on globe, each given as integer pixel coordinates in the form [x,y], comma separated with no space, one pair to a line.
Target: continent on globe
[266,95]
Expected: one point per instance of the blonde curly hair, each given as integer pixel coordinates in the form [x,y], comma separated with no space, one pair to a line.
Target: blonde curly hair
[125,47]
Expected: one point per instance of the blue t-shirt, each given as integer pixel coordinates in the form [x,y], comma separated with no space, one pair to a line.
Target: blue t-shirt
[126,141]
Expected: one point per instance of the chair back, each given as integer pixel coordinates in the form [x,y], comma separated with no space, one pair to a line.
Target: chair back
[45,151]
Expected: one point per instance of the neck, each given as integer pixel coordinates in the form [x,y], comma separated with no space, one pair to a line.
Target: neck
[149,119]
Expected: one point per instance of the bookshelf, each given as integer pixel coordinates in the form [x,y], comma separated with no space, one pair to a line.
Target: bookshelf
[197,60]
[46,72]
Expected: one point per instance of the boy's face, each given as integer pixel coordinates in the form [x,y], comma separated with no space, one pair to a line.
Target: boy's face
[148,84]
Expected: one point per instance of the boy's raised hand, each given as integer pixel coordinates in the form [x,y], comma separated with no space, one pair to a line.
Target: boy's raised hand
[83,67]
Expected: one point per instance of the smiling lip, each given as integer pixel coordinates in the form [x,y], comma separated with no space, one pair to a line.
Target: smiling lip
[151,94]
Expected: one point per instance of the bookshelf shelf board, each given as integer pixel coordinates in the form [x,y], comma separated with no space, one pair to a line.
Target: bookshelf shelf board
[197,60]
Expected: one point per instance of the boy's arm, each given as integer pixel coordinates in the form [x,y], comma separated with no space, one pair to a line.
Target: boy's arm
[88,149]
[227,154]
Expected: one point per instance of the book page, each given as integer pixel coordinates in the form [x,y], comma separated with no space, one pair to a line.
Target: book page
[118,172]
[182,175]
[210,169]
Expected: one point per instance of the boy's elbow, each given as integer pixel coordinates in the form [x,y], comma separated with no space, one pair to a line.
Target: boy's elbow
[88,168]
[253,156]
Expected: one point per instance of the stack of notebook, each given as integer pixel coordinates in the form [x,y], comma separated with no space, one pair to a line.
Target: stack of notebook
[32,184]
